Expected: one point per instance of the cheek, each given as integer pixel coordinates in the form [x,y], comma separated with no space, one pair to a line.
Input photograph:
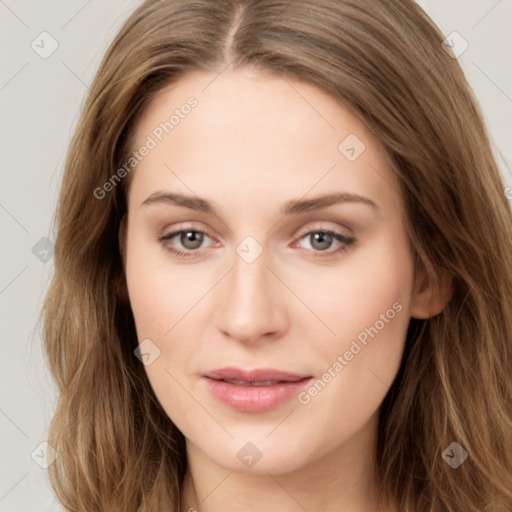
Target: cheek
[159,290]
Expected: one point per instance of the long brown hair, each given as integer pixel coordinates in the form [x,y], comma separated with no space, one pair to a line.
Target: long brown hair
[118,450]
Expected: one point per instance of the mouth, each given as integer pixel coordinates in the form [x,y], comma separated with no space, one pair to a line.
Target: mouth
[254,390]
[258,375]
[254,383]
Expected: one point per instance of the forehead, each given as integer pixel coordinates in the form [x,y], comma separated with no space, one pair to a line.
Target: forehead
[247,102]
[255,133]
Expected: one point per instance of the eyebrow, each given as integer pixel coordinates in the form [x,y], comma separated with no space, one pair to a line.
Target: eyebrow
[294,206]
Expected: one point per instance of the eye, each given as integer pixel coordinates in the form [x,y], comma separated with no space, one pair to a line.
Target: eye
[187,242]
[321,240]
[190,239]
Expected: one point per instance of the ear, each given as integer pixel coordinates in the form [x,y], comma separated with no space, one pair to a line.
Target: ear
[431,294]
[120,280]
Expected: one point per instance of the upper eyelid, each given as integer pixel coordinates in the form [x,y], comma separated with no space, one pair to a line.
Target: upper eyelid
[323,227]
[173,232]
[300,233]
[318,226]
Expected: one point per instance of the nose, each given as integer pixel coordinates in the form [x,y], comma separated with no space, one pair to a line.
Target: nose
[252,303]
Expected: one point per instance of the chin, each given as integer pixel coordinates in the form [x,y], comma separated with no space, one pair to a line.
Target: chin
[260,456]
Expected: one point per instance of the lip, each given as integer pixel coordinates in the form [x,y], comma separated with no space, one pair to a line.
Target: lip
[248,398]
[258,374]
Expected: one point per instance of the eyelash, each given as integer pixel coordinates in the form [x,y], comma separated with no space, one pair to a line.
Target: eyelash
[346,242]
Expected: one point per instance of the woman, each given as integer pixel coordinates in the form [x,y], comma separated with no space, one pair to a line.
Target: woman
[282,269]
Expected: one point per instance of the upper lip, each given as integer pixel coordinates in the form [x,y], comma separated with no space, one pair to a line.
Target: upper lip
[256,375]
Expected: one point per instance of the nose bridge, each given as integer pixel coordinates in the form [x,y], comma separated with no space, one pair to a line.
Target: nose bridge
[250,304]
[250,272]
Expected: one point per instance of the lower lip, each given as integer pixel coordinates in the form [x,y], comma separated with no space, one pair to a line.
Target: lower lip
[254,398]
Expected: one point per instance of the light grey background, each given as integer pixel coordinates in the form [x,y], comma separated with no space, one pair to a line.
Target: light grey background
[39,104]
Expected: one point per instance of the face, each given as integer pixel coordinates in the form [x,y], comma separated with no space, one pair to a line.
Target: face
[272,321]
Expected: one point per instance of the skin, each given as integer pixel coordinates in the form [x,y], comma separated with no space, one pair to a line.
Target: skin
[253,143]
